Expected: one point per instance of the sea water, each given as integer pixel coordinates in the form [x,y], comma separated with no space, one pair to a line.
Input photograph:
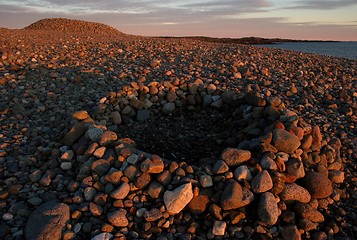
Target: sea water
[335,49]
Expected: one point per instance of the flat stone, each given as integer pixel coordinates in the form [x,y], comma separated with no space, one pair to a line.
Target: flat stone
[232,195]
[285,141]
[80,115]
[318,185]
[47,221]
[268,211]
[168,107]
[294,192]
[234,157]
[153,215]
[262,182]
[35,201]
[118,218]
[103,236]
[177,199]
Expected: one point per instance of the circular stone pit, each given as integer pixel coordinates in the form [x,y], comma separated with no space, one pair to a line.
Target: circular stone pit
[274,177]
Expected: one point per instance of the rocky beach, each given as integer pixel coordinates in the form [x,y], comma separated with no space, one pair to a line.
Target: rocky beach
[106,135]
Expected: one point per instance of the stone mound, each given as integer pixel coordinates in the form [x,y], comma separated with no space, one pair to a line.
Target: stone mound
[278,178]
[70,25]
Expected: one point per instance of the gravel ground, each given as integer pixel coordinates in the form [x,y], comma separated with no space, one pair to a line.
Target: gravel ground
[47,75]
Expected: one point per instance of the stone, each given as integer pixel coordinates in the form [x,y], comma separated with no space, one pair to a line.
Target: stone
[206,181]
[291,232]
[121,192]
[153,215]
[336,176]
[306,211]
[168,107]
[66,166]
[268,211]
[295,167]
[294,192]
[242,173]
[35,176]
[285,141]
[318,185]
[232,195]
[199,203]
[219,227]
[143,180]
[35,201]
[152,166]
[155,189]
[47,221]
[100,166]
[262,182]
[177,199]
[268,163]
[80,115]
[75,133]
[116,117]
[220,167]
[103,236]
[94,134]
[118,218]
[234,157]
[142,115]
[107,138]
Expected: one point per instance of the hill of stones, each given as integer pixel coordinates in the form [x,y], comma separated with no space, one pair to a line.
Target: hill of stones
[275,180]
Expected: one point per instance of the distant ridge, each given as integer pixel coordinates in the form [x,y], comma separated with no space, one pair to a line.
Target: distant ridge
[70,25]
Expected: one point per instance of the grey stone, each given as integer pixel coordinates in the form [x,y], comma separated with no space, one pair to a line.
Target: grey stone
[268,211]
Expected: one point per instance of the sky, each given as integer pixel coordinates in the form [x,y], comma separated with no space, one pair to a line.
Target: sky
[294,19]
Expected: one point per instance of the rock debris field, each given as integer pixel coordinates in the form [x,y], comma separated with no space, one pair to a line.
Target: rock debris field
[108,136]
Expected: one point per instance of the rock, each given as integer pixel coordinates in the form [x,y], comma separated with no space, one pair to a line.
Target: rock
[336,176]
[107,138]
[177,199]
[75,133]
[80,115]
[220,167]
[100,166]
[234,157]
[295,167]
[219,227]
[318,185]
[66,166]
[199,203]
[168,107]
[242,173]
[153,215]
[118,218]
[121,192]
[206,181]
[155,189]
[232,195]
[143,180]
[152,166]
[143,115]
[103,236]
[285,141]
[268,211]
[35,201]
[94,134]
[306,211]
[116,117]
[268,163]
[294,192]
[262,182]
[47,221]
[291,232]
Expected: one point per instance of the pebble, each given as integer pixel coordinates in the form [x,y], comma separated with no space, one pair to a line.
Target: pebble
[318,185]
[232,195]
[234,157]
[206,181]
[219,227]
[118,218]
[262,182]
[294,192]
[242,173]
[177,199]
[285,141]
[121,192]
[268,211]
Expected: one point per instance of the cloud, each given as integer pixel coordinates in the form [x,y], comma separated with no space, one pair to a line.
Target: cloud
[321,4]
